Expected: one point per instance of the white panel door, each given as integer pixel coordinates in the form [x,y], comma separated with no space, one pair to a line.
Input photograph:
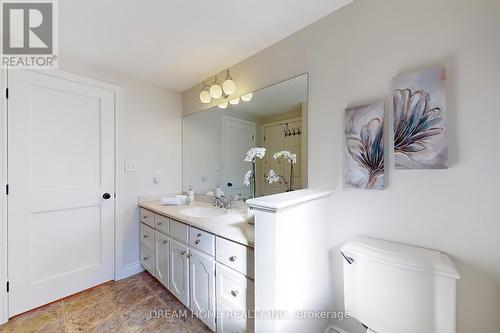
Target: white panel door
[161,258]
[239,137]
[60,166]
[179,271]
[202,275]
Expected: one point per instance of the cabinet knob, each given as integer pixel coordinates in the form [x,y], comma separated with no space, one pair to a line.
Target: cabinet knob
[159,223]
[182,253]
[197,241]
[165,241]
[145,236]
[234,293]
[232,258]
[145,217]
[146,258]
[199,235]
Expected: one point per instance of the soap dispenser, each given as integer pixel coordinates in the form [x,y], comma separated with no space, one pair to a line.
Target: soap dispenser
[218,192]
[191,194]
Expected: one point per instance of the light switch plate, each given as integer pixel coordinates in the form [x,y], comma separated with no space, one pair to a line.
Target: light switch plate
[156,177]
[130,166]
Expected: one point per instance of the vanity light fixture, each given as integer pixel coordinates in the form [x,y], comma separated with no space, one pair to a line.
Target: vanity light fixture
[228,85]
[223,105]
[234,101]
[215,89]
[247,97]
[205,96]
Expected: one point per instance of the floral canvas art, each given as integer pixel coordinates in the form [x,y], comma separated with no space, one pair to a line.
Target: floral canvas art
[364,133]
[420,120]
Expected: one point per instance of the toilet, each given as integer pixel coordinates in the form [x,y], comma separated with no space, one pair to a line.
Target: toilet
[395,288]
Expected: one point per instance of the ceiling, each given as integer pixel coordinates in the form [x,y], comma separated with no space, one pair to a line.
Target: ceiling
[178,43]
[275,99]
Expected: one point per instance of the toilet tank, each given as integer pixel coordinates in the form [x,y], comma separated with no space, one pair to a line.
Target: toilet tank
[394,288]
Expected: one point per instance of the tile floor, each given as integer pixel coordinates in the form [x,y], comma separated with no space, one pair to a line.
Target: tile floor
[122,306]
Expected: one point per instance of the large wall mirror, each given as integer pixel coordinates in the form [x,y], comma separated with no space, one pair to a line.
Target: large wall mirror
[216,141]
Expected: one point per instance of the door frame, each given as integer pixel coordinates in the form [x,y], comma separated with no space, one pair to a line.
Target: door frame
[118,181]
[226,118]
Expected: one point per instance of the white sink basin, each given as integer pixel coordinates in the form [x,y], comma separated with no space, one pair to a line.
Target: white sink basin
[202,212]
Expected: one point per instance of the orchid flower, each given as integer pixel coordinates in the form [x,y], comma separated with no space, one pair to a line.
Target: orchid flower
[248,177]
[251,156]
[254,153]
[291,157]
[272,177]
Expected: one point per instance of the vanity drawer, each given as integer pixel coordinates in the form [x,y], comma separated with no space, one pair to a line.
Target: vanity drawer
[202,240]
[233,321]
[234,290]
[147,259]
[147,217]
[236,256]
[147,236]
[179,230]
[162,223]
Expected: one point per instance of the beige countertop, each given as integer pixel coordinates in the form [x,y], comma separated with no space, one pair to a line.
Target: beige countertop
[233,225]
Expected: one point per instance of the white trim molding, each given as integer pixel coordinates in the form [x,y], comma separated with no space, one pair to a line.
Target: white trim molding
[129,270]
[4,299]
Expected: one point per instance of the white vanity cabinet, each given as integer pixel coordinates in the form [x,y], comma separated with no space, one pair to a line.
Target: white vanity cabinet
[179,271]
[202,283]
[162,258]
[147,235]
[207,273]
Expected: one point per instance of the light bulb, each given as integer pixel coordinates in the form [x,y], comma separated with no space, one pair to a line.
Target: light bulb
[215,91]
[234,101]
[223,105]
[247,97]
[229,86]
[205,96]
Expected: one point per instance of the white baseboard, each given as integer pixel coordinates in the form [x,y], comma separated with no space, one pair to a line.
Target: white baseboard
[129,270]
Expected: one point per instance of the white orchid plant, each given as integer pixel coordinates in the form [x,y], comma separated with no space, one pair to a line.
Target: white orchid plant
[252,155]
[272,177]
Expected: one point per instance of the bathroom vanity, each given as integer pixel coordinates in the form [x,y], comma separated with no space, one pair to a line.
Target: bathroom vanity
[205,257]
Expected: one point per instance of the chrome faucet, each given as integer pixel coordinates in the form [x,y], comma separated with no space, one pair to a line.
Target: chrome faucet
[222,202]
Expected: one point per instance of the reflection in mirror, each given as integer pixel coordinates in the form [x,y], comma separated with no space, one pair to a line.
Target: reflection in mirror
[216,142]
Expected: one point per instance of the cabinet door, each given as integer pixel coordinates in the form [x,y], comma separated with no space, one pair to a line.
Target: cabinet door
[161,258]
[202,275]
[179,271]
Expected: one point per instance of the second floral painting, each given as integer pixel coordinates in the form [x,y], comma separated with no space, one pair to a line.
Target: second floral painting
[364,132]
[420,120]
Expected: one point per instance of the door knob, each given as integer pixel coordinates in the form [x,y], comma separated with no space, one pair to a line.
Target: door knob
[106,196]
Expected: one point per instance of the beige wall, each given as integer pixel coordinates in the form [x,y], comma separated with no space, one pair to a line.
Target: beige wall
[351,57]
[294,112]
[151,137]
